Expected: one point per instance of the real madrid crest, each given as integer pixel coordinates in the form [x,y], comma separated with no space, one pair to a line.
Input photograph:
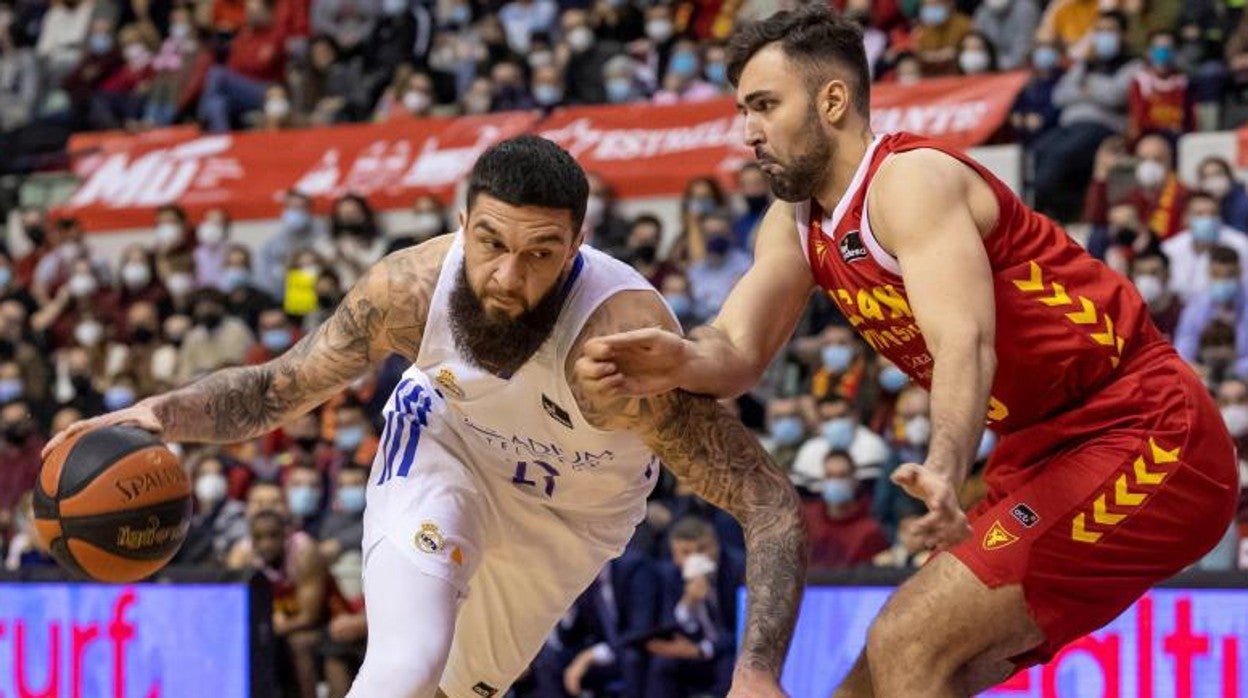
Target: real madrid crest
[446,379]
[429,538]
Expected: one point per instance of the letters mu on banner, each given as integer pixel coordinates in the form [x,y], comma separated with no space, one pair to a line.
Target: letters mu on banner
[643,150]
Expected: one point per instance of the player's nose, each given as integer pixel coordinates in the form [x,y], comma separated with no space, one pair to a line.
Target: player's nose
[509,275]
[753,132]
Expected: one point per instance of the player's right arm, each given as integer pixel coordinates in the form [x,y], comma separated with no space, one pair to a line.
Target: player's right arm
[383,313]
[728,356]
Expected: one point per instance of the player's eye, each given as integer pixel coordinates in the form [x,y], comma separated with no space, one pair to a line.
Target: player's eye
[539,254]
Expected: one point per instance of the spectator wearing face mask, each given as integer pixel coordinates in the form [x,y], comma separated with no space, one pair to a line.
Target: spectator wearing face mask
[172,240]
[702,196]
[217,522]
[102,57]
[140,339]
[841,531]
[349,22]
[179,70]
[276,113]
[212,248]
[355,235]
[786,431]
[839,365]
[976,55]
[642,250]
[1034,112]
[604,227]
[20,445]
[276,333]
[1216,178]
[67,248]
[295,229]
[586,56]
[1009,26]
[1222,301]
[216,340]
[523,18]
[683,81]
[412,98]
[1072,22]
[841,430]
[619,80]
[1157,194]
[936,36]
[303,488]
[755,198]
[1092,95]
[120,97]
[74,314]
[243,299]
[354,438]
[1151,275]
[428,220]
[1232,396]
[257,59]
[508,89]
[675,290]
[714,275]
[1158,101]
[342,529]
[1189,251]
[327,88]
[548,88]
[891,381]
[137,282]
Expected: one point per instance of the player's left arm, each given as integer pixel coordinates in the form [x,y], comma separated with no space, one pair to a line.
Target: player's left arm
[927,209]
[721,460]
[311,578]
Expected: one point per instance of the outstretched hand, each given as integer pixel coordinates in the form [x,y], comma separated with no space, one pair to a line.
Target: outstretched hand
[945,523]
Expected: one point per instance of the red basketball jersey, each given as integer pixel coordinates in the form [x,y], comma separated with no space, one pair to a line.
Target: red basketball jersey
[1064,321]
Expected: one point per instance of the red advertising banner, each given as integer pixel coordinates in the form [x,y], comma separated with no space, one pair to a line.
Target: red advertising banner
[1242,137]
[642,150]
[247,173]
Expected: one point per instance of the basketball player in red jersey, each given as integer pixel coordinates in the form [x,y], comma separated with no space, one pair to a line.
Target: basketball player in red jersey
[1115,470]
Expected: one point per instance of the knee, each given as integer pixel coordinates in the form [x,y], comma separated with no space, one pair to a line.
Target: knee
[396,676]
[894,639]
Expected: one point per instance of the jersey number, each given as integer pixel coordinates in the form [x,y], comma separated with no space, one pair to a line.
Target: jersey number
[540,470]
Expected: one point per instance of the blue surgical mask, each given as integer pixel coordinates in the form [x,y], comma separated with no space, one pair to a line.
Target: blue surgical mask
[295,219]
[1045,58]
[10,389]
[788,431]
[1206,229]
[1223,291]
[6,276]
[351,499]
[837,357]
[277,339]
[718,245]
[547,95]
[234,278]
[837,492]
[348,438]
[118,397]
[680,303]
[934,15]
[893,379]
[100,43]
[684,64]
[839,433]
[717,73]
[1161,56]
[303,500]
[619,90]
[1106,44]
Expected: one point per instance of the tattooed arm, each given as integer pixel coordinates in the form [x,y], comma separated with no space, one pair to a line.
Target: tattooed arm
[383,313]
[721,460]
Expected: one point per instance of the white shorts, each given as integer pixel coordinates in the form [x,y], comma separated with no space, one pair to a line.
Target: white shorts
[518,565]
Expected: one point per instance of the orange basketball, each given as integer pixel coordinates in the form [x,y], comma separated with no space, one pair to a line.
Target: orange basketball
[113,504]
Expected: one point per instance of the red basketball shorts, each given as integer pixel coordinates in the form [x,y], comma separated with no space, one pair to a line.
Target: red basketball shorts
[1091,508]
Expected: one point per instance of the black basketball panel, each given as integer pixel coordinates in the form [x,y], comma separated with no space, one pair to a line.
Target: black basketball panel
[95,451]
[150,533]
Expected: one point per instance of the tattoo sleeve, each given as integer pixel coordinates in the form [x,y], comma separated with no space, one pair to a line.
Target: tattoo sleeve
[383,313]
[721,460]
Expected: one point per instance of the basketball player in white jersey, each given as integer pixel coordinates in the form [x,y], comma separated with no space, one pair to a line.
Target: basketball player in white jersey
[500,489]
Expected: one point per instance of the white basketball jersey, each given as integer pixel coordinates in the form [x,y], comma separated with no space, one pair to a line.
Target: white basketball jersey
[526,431]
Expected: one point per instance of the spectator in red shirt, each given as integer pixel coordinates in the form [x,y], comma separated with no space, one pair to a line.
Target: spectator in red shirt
[1157,194]
[257,60]
[277,334]
[120,97]
[842,532]
[1157,101]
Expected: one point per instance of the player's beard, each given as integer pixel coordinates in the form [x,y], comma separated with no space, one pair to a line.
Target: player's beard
[797,180]
[494,341]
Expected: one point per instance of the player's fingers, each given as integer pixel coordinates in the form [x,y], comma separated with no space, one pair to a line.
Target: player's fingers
[597,348]
[68,433]
[632,340]
[594,370]
[909,478]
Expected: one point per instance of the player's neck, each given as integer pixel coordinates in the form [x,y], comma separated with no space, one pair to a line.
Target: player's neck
[849,152]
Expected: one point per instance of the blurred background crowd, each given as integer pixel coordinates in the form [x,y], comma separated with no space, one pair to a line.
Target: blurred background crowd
[1113,84]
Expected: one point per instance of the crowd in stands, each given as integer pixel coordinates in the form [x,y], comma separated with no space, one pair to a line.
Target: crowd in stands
[1113,84]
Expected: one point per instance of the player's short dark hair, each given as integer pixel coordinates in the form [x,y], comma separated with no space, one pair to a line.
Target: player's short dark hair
[691,528]
[815,38]
[531,171]
[1223,255]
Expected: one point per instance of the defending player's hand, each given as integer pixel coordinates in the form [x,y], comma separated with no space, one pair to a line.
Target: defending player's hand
[634,364]
[945,523]
[140,415]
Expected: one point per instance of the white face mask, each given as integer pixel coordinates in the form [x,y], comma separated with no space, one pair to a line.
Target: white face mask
[580,39]
[136,275]
[973,62]
[277,108]
[180,284]
[415,101]
[1236,418]
[88,333]
[659,30]
[82,285]
[1150,287]
[1150,173]
[1217,185]
[211,233]
[918,431]
[168,235]
[210,488]
[426,224]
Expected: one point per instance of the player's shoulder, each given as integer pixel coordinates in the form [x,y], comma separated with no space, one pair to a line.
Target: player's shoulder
[928,167]
[628,309]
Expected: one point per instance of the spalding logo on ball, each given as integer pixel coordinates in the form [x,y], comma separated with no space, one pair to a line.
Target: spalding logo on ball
[113,504]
